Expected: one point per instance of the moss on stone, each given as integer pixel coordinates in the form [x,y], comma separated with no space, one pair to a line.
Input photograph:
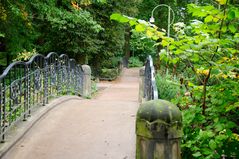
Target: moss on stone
[158,126]
[159,117]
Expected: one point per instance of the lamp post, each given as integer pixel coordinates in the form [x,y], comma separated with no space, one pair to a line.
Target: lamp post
[152,20]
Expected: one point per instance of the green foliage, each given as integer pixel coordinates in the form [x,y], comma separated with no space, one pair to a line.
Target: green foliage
[112,38]
[71,31]
[3,59]
[135,62]
[205,55]
[168,89]
[109,74]
[48,26]
[211,135]
[142,46]
[112,62]
[25,55]
[80,28]
[110,69]
[150,30]
[16,27]
[94,88]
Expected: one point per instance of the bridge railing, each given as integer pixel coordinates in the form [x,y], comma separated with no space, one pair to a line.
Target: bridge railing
[150,88]
[26,85]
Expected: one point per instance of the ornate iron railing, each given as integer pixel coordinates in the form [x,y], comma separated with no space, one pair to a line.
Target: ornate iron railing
[150,88]
[26,85]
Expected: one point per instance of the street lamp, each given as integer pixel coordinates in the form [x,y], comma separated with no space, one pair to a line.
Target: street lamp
[152,20]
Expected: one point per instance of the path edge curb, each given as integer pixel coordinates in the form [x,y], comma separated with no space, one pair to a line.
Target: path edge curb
[20,130]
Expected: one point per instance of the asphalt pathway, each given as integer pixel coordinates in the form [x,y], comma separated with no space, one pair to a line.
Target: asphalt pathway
[99,128]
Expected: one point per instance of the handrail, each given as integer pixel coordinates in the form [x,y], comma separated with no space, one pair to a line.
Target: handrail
[150,88]
[26,85]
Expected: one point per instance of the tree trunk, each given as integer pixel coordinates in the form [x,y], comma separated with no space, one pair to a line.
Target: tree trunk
[158,61]
[174,70]
[204,106]
[127,46]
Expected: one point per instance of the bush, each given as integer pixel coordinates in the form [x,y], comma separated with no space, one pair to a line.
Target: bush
[168,89]
[135,62]
[109,74]
[111,63]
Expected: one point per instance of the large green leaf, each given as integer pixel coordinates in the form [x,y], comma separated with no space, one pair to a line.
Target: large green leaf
[212,144]
[231,14]
[119,17]
[140,27]
[222,2]
[102,1]
[197,154]
[232,28]
[2,35]
[208,19]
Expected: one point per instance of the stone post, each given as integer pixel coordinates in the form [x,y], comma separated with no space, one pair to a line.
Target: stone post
[141,84]
[120,67]
[159,130]
[86,88]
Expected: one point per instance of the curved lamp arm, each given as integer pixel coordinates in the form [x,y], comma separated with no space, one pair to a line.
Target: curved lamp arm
[162,5]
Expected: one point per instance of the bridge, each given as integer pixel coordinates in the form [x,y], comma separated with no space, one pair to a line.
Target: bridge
[70,126]
[63,120]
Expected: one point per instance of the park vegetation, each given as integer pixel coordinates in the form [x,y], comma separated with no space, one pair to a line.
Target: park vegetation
[199,72]
[197,66]
[81,29]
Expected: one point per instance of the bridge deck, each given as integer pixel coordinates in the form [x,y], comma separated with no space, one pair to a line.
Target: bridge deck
[99,128]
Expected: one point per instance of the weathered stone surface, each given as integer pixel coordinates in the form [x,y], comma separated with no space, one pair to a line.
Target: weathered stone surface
[142,71]
[86,81]
[141,84]
[86,69]
[159,119]
[158,129]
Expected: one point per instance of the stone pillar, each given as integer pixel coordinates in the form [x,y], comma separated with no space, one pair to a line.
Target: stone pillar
[141,84]
[159,130]
[86,88]
[120,67]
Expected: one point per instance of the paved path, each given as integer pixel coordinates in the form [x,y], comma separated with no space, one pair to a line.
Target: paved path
[99,128]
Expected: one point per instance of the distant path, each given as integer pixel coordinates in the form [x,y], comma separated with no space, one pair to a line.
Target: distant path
[99,128]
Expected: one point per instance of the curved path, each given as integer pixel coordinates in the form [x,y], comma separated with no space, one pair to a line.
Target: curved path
[99,128]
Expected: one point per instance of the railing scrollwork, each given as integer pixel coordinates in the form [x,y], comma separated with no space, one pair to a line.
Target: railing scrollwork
[26,85]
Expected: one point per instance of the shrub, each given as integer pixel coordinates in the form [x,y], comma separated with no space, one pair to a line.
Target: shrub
[135,62]
[108,74]
[168,89]
[111,63]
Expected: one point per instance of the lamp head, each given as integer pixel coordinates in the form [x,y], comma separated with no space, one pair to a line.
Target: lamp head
[151,20]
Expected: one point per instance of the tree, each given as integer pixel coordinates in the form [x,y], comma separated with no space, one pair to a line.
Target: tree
[54,25]
[115,36]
